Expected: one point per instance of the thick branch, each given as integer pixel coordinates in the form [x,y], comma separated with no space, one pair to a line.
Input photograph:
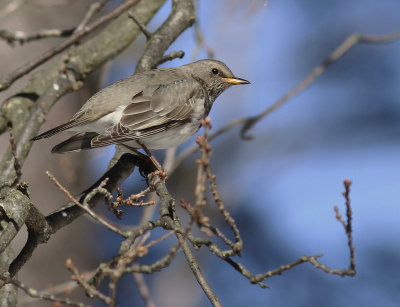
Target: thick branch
[181,18]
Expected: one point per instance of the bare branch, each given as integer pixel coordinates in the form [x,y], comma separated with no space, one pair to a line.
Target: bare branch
[181,18]
[132,200]
[197,272]
[201,42]
[167,206]
[141,26]
[156,266]
[348,226]
[143,290]
[37,294]
[238,245]
[90,290]
[350,271]
[93,9]
[85,206]
[171,56]
[23,37]
[64,287]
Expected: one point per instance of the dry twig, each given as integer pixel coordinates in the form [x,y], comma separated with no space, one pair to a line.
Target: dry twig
[85,206]
[201,42]
[141,26]
[40,295]
[90,290]
[143,290]
[93,9]
[23,37]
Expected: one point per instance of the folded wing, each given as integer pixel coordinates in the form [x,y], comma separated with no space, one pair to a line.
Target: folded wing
[154,111]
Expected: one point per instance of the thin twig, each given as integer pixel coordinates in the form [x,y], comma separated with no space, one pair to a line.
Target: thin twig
[124,248]
[348,225]
[129,257]
[86,207]
[23,37]
[133,199]
[204,172]
[93,9]
[203,163]
[91,291]
[278,271]
[37,294]
[156,266]
[64,287]
[141,25]
[194,266]
[350,271]
[171,56]
[201,42]
[238,245]
[143,290]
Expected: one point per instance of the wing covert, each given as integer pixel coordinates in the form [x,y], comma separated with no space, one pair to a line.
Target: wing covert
[155,110]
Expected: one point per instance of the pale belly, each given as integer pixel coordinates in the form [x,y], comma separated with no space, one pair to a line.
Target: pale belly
[169,138]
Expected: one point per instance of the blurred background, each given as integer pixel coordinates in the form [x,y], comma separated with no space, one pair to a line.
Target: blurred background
[281,186]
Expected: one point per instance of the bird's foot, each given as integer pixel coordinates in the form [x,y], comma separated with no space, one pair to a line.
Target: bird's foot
[149,162]
[153,159]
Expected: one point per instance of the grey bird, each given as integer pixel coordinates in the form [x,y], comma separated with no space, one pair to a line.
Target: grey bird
[160,108]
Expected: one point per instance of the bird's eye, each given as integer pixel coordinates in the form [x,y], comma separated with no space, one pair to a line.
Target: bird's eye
[215,71]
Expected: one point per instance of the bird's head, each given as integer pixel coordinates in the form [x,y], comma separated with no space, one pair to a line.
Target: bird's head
[214,75]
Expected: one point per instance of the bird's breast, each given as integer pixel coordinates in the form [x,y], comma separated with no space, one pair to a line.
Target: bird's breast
[169,138]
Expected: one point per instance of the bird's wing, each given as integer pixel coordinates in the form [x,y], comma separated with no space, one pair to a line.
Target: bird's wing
[155,110]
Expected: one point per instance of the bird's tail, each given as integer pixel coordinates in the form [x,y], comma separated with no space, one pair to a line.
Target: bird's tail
[75,143]
[55,130]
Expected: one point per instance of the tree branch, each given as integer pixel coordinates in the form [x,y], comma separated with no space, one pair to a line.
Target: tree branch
[22,37]
[36,294]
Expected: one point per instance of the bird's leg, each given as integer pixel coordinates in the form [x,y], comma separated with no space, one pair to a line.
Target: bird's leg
[150,156]
[153,159]
[143,156]
[145,164]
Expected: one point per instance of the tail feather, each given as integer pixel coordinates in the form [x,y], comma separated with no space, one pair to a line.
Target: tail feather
[55,130]
[75,143]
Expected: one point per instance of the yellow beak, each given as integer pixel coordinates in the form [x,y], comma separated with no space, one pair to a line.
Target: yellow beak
[236,81]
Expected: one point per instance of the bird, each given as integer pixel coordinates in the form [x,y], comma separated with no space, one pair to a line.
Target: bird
[155,109]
